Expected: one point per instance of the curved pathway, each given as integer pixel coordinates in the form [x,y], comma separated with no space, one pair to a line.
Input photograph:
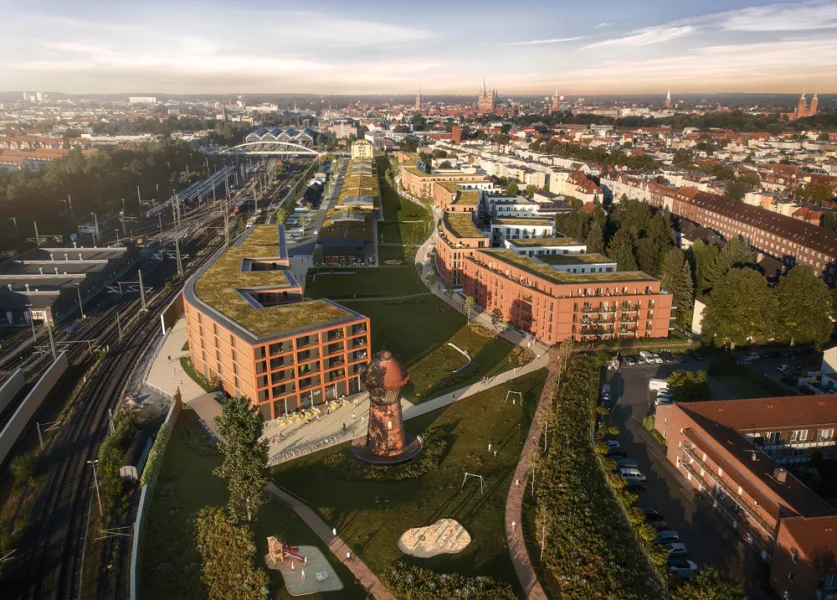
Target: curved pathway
[338,547]
[514,501]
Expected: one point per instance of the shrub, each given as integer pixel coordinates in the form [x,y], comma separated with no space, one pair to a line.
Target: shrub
[24,467]
[155,457]
[110,456]
[415,583]
[347,466]
[689,386]
[648,422]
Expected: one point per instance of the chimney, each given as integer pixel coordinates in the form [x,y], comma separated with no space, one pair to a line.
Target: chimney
[56,270]
[51,256]
[780,474]
[66,256]
[9,285]
[27,287]
[79,256]
[41,269]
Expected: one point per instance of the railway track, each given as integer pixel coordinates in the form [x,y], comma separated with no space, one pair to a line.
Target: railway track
[53,556]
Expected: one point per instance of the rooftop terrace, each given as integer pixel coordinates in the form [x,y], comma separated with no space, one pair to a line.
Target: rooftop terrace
[549,274]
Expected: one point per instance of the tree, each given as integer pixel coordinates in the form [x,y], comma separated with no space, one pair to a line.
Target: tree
[710,584]
[496,316]
[470,303]
[512,189]
[531,189]
[823,137]
[432,278]
[676,277]
[621,249]
[595,239]
[317,257]
[445,165]
[803,308]
[734,253]
[702,256]
[245,457]
[228,553]
[646,255]
[688,386]
[682,159]
[741,309]
[410,144]
[736,189]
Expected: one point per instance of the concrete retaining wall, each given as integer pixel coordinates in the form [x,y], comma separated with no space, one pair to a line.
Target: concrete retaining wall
[30,404]
[171,313]
[11,387]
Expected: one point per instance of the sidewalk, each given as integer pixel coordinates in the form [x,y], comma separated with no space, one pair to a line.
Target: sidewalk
[514,501]
[339,548]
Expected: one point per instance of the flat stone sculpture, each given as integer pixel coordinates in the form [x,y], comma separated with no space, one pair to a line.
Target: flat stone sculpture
[445,536]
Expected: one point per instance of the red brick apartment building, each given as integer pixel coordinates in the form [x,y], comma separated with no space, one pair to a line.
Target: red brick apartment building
[554,305]
[790,240]
[456,238]
[420,184]
[735,452]
[251,331]
[450,196]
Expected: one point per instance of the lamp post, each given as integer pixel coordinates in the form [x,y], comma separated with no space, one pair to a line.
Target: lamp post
[80,307]
[96,227]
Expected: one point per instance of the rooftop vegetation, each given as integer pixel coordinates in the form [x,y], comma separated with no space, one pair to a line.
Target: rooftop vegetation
[575,259]
[549,274]
[546,242]
[461,225]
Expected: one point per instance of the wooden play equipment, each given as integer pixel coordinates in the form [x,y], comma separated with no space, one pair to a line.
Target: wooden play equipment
[277,552]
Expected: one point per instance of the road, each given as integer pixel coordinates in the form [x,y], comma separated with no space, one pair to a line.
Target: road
[709,539]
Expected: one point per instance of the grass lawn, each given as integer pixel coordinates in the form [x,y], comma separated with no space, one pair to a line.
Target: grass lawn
[742,387]
[406,222]
[364,283]
[169,562]
[417,331]
[189,369]
[371,515]
[386,253]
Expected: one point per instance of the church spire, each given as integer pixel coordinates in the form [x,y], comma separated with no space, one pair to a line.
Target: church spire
[803,93]
[816,87]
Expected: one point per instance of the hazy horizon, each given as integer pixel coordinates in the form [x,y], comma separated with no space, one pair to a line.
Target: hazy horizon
[610,48]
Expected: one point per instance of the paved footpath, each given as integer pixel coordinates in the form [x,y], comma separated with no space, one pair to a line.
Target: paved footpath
[514,501]
[367,578]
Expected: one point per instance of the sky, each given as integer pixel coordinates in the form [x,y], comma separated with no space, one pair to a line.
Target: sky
[396,46]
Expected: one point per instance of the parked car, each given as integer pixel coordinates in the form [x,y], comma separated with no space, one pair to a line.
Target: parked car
[632,473]
[772,354]
[667,357]
[657,384]
[681,358]
[663,401]
[666,537]
[697,355]
[611,443]
[657,359]
[606,394]
[676,549]
[624,461]
[629,360]
[632,485]
[785,369]
[618,451]
[682,567]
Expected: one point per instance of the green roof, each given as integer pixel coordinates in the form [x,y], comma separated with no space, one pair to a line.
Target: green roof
[461,225]
[546,242]
[574,259]
[549,274]
[450,186]
[219,285]
[521,221]
[467,198]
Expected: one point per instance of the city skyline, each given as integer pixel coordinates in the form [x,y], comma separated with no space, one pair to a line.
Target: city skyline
[221,48]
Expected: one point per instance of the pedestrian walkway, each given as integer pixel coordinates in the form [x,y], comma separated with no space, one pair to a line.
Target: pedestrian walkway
[338,547]
[382,298]
[514,501]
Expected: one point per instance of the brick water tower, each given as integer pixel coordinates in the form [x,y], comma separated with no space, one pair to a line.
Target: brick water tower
[386,440]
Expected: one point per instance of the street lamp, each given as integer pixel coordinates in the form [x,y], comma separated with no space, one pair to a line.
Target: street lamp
[80,307]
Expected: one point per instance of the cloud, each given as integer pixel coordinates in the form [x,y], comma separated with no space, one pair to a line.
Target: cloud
[646,37]
[799,16]
[549,41]
[602,25]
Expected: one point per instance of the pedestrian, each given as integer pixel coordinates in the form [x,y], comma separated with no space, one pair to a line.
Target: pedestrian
[303,574]
[169,357]
[513,525]
[334,531]
[353,415]
[489,446]
[348,556]
[344,426]
[517,482]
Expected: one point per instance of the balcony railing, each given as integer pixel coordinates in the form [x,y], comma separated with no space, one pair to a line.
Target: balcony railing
[733,494]
[334,348]
[334,335]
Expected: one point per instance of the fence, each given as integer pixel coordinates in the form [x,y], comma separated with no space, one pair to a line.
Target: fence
[11,387]
[159,449]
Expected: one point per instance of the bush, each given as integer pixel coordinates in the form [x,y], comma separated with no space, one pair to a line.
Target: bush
[155,456]
[415,583]
[196,438]
[347,466]
[648,422]
[689,386]
[24,467]
[189,369]
[111,451]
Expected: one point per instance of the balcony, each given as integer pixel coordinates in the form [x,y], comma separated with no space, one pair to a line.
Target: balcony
[307,370]
[335,362]
[308,340]
[358,329]
[360,355]
[307,355]
[731,493]
[359,342]
[335,375]
[334,334]
[334,348]
[629,308]
[276,363]
[358,368]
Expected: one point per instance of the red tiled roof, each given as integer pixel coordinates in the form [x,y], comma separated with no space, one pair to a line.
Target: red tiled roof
[816,539]
[791,412]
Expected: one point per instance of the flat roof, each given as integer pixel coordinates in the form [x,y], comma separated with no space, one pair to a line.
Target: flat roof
[461,225]
[521,222]
[546,242]
[558,277]
[575,259]
[467,198]
[220,283]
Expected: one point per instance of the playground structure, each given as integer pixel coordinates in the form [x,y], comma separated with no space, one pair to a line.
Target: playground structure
[277,552]
[445,536]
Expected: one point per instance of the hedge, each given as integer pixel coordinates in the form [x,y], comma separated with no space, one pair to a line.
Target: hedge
[410,582]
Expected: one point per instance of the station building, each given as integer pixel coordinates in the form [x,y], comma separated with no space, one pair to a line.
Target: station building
[45,284]
[251,331]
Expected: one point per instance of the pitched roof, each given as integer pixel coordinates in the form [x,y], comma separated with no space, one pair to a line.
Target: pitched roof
[815,538]
[812,236]
[789,412]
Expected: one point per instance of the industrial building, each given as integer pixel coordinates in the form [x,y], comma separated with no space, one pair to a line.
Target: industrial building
[252,333]
[46,284]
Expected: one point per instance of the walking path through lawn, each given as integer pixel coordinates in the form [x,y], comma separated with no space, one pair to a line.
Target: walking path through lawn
[366,577]
[378,298]
[514,501]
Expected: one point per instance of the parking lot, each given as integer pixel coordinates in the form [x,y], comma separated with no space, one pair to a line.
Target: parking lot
[709,540]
